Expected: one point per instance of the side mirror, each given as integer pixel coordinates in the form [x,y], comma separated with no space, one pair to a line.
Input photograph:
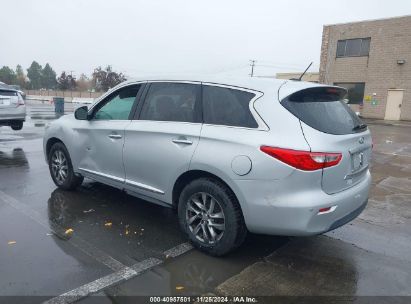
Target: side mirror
[81,113]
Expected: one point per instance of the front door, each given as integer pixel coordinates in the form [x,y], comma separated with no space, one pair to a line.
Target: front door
[160,143]
[394,102]
[103,137]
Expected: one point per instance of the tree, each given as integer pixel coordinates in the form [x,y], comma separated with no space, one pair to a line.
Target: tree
[83,84]
[7,75]
[34,73]
[20,77]
[66,82]
[104,80]
[48,77]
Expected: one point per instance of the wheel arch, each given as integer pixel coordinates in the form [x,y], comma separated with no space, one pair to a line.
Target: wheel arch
[50,142]
[193,174]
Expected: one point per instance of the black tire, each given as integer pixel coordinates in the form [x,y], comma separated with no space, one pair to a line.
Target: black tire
[17,125]
[69,181]
[235,230]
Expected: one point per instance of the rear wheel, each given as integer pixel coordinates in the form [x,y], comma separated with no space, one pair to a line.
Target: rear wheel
[61,169]
[17,125]
[210,215]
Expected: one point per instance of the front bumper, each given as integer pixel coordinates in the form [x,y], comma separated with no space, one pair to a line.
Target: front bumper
[278,208]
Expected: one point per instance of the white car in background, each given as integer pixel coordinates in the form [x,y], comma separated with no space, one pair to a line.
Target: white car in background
[12,108]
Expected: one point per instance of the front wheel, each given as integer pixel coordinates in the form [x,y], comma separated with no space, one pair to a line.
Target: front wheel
[210,215]
[61,169]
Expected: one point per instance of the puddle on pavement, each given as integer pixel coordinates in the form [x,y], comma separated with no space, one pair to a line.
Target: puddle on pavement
[195,273]
[127,228]
[37,263]
[13,158]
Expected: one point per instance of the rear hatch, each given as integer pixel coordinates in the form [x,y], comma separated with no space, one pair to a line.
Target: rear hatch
[329,125]
[8,99]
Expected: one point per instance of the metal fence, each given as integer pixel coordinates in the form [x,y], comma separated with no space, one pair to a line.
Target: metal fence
[72,94]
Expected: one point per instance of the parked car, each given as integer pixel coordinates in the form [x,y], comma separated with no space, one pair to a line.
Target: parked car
[12,108]
[259,155]
[18,88]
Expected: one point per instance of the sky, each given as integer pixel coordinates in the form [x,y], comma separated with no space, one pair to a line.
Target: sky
[147,37]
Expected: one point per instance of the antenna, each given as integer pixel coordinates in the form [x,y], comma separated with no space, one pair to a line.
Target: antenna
[302,75]
[252,64]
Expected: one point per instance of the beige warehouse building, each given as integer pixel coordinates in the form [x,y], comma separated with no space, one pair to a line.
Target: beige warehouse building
[372,59]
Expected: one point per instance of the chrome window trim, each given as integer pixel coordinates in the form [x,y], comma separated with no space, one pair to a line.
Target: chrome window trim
[118,179]
[123,180]
[262,126]
[143,186]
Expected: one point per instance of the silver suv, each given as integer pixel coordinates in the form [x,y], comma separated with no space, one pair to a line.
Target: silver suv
[265,156]
[12,108]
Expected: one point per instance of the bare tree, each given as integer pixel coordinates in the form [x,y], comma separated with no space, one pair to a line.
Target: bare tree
[105,79]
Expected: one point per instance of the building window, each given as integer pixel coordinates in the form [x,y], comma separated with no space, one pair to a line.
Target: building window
[353,47]
[355,93]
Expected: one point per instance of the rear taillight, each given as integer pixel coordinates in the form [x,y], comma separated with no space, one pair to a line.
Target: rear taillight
[20,101]
[303,160]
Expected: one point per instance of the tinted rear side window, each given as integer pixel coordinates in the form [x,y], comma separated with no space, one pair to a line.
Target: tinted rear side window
[229,107]
[172,102]
[324,110]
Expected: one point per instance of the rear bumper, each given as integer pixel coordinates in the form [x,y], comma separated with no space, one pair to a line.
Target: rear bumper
[349,217]
[283,209]
[12,114]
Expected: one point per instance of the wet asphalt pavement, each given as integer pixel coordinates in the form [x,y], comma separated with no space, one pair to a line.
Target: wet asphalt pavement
[119,245]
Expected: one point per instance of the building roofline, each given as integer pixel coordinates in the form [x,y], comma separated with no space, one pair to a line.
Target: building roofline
[369,20]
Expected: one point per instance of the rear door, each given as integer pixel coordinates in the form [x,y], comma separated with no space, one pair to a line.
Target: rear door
[160,141]
[329,125]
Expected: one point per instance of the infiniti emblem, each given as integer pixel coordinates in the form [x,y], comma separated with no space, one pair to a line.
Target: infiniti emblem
[361,140]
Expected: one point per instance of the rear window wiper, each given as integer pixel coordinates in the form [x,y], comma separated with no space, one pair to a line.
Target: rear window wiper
[359,127]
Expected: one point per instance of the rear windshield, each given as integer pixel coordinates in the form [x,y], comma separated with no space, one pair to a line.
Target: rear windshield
[8,93]
[324,110]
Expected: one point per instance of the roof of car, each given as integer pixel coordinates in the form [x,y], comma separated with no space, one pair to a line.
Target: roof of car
[254,83]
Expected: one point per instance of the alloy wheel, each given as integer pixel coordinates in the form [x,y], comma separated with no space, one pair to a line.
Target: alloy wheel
[59,166]
[205,218]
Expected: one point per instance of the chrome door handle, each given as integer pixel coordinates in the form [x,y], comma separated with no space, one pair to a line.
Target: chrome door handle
[182,141]
[115,136]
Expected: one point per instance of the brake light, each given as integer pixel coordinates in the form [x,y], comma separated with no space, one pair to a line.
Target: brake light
[303,160]
[20,101]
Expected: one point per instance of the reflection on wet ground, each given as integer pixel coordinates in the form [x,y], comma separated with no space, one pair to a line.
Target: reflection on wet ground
[13,158]
[127,228]
[105,223]
[195,273]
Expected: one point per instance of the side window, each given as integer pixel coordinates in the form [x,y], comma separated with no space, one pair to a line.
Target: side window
[229,107]
[118,105]
[171,102]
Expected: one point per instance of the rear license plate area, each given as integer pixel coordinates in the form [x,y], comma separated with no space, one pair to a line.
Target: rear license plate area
[359,160]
